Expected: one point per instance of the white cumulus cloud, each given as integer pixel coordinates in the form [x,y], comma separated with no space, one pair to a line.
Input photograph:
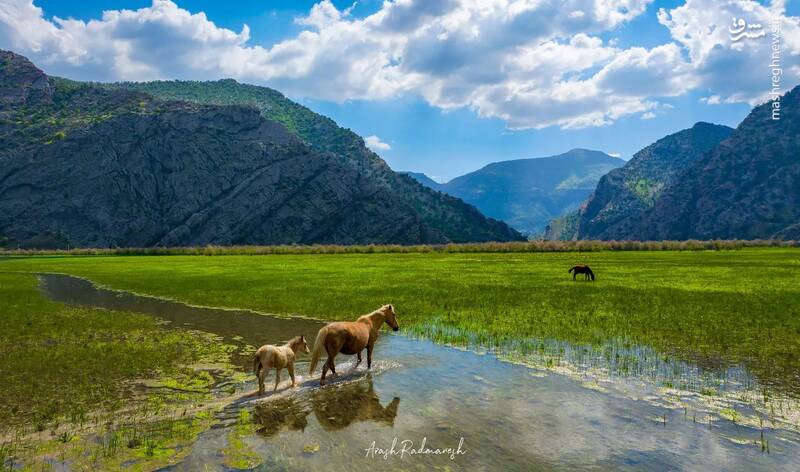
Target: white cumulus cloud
[531,63]
[735,70]
[375,143]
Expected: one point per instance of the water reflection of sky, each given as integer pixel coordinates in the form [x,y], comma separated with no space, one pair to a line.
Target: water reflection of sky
[509,419]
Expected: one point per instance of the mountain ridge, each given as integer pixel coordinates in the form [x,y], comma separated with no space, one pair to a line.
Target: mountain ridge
[529,192]
[423,178]
[624,194]
[107,165]
[324,135]
[747,187]
[705,182]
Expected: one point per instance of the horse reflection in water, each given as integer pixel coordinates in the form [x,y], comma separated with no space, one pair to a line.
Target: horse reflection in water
[281,414]
[334,409]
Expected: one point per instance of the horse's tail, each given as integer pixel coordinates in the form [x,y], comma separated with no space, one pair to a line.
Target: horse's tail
[570,270]
[317,350]
[256,364]
[591,274]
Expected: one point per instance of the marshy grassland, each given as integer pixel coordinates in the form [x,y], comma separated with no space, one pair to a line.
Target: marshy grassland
[716,307]
[69,372]
[72,376]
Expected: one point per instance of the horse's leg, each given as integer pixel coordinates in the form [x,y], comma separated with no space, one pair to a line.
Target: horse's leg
[324,371]
[332,351]
[277,378]
[358,360]
[574,274]
[261,376]
[290,368]
[333,366]
[369,356]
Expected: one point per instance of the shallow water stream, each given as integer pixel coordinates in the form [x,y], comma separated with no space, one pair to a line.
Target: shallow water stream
[505,416]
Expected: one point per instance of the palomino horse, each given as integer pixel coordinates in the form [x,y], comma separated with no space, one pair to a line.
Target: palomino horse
[350,337]
[582,269]
[279,357]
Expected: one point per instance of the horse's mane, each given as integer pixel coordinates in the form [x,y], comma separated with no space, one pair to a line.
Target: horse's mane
[368,317]
[380,310]
[294,340]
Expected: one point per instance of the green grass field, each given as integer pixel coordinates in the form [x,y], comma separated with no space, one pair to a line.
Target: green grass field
[723,307]
[61,364]
[68,383]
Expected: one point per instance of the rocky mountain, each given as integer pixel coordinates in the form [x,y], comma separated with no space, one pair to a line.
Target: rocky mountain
[623,195]
[747,187]
[181,163]
[425,180]
[563,228]
[528,193]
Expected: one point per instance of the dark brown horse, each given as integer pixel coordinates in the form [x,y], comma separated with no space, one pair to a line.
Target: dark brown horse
[350,337]
[582,269]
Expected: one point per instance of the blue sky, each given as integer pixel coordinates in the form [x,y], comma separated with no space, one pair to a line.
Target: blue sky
[441,87]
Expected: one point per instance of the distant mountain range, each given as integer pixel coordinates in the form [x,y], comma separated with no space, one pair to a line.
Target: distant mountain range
[195,163]
[706,182]
[528,193]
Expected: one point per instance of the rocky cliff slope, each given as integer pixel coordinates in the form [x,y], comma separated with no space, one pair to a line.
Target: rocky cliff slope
[623,195]
[747,187]
[90,165]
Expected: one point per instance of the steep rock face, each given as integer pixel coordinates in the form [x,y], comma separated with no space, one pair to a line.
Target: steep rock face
[84,165]
[22,84]
[172,179]
[528,193]
[440,214]
[624,195]
[747,187]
